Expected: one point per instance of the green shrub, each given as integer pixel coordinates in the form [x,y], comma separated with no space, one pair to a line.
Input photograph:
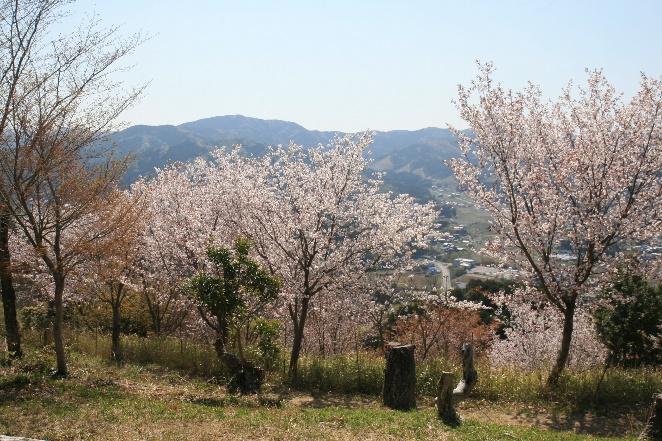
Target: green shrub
[267,334]
[629,323]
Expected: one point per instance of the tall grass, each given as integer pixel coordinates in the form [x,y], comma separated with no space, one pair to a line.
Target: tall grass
[179,354]
[363,373]
[352,373]
[578,389]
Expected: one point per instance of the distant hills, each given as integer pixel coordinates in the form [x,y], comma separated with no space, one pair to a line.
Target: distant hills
[412,160]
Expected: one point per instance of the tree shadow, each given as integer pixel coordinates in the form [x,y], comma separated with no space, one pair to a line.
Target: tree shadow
[319,401]
[616,422]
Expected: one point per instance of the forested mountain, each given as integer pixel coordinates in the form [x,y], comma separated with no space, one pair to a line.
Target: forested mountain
[412,160]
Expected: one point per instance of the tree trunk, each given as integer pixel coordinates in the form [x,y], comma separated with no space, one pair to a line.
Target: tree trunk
[246,377]
[653,429]
[296,351]
[562,358]
[12,331]
[400,377]
[116,350]
[299,327]
[445,410]
[58,323]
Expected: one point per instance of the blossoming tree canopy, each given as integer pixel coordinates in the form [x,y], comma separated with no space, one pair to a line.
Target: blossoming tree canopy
[326,224]
[172,246]
[534,332]
[315,216]
[572,177]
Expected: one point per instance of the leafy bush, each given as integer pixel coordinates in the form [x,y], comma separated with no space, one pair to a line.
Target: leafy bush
[267,333]
[630,322]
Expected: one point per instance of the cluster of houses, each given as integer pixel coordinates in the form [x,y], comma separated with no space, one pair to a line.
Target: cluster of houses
[461,262]
[456,238]
[471,270]
[651,251]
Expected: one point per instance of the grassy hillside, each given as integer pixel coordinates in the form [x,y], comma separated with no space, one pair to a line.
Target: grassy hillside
[166,391]
[101,402]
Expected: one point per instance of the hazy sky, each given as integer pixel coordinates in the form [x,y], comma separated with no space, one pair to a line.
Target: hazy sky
[353,65]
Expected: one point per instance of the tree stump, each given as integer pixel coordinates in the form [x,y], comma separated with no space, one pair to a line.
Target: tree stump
[653,429]
[469,374]
[247,379]
[445,410]
[400,377]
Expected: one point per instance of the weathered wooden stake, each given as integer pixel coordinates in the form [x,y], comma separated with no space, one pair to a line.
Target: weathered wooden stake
[445,410]
[653,429]
[469,374]
[400,377]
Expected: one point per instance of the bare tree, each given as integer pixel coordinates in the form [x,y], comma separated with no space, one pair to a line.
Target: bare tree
[22,28]
[56,183]
[110,275]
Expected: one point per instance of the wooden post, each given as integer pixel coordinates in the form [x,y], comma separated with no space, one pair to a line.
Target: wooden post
[653,429]
[469,374]
[445,410]
[400,377]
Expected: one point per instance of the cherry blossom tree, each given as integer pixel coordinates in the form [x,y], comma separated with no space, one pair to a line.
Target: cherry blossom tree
[315,217]
[317,220]
[533,334]
[564,181]
[173,244]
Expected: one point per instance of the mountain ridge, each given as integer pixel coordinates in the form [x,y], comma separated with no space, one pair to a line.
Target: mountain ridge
[412,160]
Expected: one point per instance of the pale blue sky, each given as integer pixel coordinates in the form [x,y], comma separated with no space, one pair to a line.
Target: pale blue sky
[354,65]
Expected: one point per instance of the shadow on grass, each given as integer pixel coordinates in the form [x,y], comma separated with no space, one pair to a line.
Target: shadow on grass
[13,386]
[209,402]
[602,424]
[613,422]
[319,401]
